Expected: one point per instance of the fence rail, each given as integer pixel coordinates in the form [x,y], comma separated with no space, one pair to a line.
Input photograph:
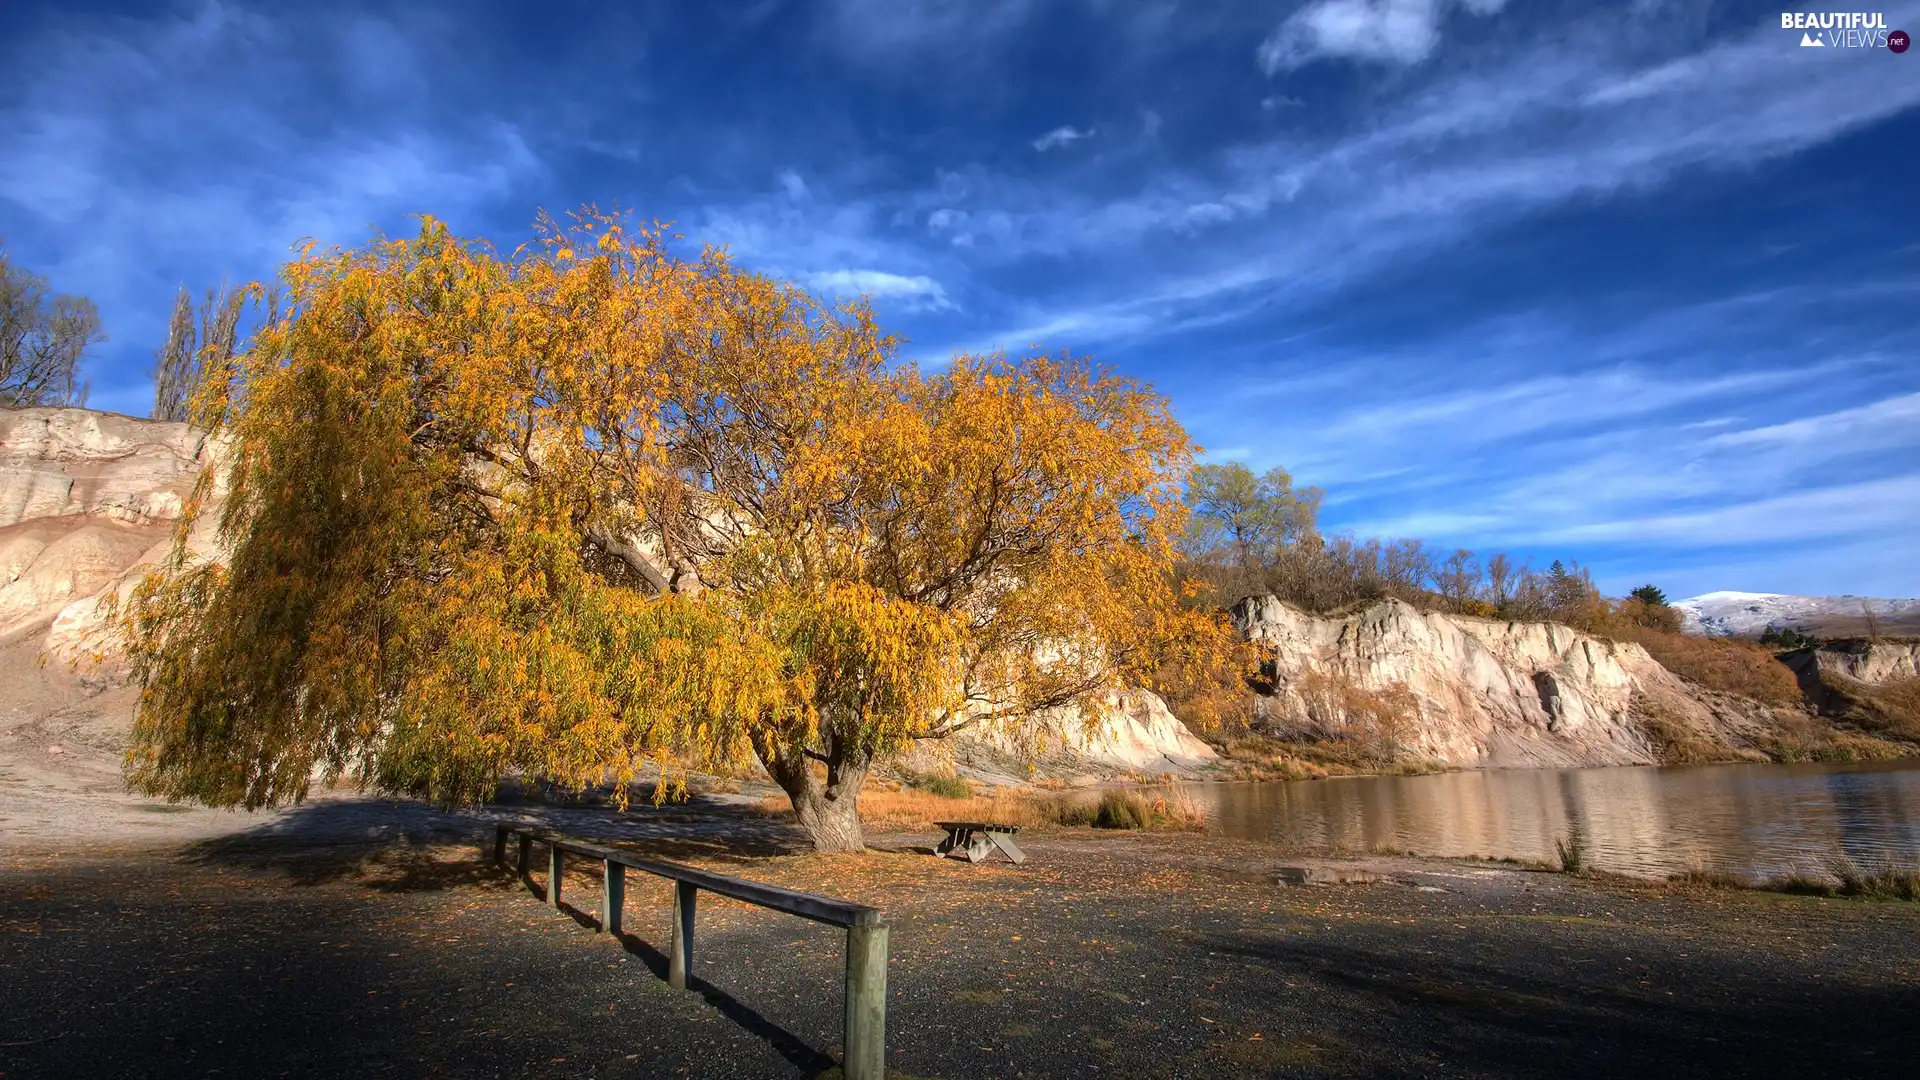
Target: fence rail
[864,1041]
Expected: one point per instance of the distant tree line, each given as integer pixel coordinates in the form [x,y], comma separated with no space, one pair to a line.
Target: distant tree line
[1257,534]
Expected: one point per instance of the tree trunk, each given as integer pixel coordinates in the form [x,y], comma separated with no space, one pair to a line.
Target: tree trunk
[828,809]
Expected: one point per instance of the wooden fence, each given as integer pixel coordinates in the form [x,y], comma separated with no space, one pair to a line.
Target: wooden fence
[866,1004]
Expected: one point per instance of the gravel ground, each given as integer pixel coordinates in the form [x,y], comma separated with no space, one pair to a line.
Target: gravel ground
[346,940]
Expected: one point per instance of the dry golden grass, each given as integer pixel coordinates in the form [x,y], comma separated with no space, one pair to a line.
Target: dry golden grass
[911,809]
[1840,875]
[1798,737]
[1025,807]
[1893,709]
[1265,757]
[1734,667]
[1672,740]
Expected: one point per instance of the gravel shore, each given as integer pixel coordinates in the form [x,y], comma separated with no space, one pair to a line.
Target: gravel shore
[344,939]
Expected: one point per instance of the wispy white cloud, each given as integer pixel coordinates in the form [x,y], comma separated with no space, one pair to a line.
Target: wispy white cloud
[1501,411]
[1064,135]
[1388,31]
[1468,152]
[917,291]
[1863,566]
[893,33]
[1874,507]
[1640,486]
[1893,422]
[184,135]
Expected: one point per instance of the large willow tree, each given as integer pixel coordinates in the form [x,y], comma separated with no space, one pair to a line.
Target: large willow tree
[589,505]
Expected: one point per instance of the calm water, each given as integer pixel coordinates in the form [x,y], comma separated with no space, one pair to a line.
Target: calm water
[1753,819]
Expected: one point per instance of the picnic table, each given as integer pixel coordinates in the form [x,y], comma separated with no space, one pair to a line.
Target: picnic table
[977,839]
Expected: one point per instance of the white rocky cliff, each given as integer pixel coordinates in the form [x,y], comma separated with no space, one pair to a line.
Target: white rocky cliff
[1131,733]
[1483,692]
[1872,662]
[85,498]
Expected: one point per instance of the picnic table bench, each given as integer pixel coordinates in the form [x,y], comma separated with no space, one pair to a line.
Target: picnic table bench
[977,839]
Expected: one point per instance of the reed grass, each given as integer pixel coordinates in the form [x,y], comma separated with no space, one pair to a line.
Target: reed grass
[1572,851]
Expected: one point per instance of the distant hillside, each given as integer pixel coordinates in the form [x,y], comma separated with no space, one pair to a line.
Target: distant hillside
[1745,614]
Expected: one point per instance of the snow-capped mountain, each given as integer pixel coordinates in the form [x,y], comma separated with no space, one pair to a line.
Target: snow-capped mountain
[1745,614]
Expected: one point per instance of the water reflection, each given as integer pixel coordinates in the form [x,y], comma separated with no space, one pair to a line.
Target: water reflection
[1754,819]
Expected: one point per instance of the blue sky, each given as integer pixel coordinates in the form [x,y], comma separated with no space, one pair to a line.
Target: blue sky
[1632,283]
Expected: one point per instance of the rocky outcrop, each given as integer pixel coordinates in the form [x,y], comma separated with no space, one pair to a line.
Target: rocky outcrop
[1128,733]
[87,499]
[1874,685]
[1482,692]
[1872,662]
[64,463]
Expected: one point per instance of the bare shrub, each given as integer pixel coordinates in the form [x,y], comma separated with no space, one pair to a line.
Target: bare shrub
[1118,808]
[43,337]
[1377,724]
[1796,736]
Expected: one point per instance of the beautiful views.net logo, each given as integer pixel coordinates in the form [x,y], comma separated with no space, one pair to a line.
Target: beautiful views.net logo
[1844,30]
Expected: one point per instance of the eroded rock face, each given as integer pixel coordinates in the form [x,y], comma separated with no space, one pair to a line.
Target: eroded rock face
[46,564]
[58,463]
[1131,732]
[1873,662]
[87,499]
[1482,692]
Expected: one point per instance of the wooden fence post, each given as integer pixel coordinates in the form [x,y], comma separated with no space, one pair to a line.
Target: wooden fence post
[680,935]
[613,898]
[526,855]
[500,846]
[865,1035]
[556,867]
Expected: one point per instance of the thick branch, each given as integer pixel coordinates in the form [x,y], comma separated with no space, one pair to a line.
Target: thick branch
[630,555]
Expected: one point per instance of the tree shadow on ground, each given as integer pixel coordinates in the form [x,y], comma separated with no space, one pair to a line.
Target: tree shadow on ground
[1509,1018]
[784,1042]
[411,847]
[396,846]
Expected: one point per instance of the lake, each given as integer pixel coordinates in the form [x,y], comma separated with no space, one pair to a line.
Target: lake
[1748,819]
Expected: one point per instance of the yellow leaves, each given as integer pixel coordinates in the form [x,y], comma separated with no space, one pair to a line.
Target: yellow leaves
[431,448]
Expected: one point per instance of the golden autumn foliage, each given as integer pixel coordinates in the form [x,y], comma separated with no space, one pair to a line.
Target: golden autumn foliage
[589,505]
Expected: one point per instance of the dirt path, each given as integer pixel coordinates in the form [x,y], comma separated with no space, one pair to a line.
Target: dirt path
[302,949]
